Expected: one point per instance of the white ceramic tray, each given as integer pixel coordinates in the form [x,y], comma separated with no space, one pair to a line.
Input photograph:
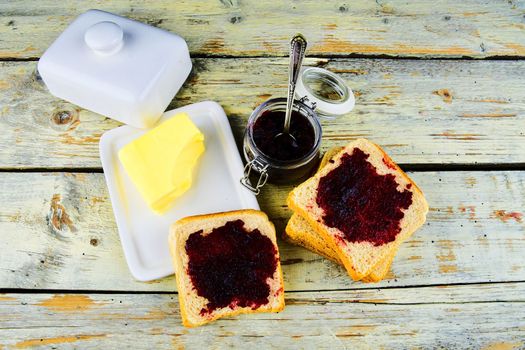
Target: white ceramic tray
[216,188]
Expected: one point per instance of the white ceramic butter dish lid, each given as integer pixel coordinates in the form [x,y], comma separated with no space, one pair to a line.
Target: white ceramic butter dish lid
[117,67]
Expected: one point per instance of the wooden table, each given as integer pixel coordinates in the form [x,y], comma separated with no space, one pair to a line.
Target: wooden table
[439,84]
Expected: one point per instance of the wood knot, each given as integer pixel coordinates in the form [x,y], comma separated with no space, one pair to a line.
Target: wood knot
[65,117]
[445,95]
[93,242]
[62,117]
[235,19]
[57,218]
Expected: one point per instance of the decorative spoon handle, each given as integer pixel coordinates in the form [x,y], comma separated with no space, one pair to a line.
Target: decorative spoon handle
[297,50]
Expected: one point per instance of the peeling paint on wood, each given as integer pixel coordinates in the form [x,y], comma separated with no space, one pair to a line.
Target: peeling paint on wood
[506,216]
[445,95]
[349,318]
[450,135]
[422,29]
[448,268]
[58,218]
[469,210]
[400,107]
[461,230]
[503,346]
[488,115]
[473,218]
[68,303]
[56,340]
[470,181]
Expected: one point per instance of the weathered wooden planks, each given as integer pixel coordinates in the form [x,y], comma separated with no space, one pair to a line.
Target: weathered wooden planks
[57,229]
[58,232]
[437,112]
[246,28]
[475,316]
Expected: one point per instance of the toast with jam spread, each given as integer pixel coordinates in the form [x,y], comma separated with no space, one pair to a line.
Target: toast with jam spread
[362,204]
[299,232]
[226,264]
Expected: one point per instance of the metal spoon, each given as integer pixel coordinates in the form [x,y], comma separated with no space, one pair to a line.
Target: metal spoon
[297,50]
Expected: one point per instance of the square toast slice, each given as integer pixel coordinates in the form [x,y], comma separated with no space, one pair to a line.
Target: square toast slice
[299,232]
[226,264]
[361,252]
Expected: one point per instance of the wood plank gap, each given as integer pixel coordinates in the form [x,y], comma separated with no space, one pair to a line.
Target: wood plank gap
[110,292]
[410,286]
[315,301]
[418,167]
[427,167]
[19,59]
[52,170]
[327,56]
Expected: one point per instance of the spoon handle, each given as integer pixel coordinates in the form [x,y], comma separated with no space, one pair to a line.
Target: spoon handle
[297,50]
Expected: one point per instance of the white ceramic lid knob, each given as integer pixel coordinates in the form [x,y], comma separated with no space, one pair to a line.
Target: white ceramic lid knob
[105,38]
[100,73]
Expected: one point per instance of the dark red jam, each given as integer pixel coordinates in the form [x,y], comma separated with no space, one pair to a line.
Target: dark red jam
[271,123]
[230,266]
[365,206]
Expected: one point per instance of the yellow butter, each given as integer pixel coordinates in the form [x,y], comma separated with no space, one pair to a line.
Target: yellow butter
[160,163]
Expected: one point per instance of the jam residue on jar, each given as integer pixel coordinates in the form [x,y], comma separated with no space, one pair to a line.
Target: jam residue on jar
[271,123]
[230,266]
[365,206]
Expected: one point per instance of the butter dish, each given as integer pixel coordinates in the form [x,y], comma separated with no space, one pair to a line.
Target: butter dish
[216,188]
[117,67]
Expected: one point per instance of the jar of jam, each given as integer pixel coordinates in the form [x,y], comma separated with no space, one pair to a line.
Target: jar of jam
[281,160]
[319,94]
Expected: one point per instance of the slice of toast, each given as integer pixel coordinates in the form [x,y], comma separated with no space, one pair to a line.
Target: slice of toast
[226,264]
[361,251]
[299,232]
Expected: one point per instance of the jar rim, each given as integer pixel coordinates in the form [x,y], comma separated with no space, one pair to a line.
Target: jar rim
[304,110]
[326,108]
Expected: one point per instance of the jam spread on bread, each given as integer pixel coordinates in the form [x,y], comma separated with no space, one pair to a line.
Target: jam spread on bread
[364,205]
[230,266]
[270,124]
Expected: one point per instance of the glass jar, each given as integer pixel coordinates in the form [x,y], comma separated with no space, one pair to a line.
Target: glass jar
[319,93]
[273,170]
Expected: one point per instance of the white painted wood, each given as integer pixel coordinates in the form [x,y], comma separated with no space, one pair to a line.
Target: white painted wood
[472,316]
[424,28]
[58,232]
[57,229]
[437,112]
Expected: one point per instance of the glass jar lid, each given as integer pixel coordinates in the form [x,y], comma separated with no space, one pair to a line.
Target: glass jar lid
[329,92]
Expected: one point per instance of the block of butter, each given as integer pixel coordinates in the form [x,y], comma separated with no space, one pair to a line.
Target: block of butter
[160,163]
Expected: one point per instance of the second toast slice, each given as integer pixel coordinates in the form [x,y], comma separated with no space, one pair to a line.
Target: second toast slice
[299,232]
[363,204]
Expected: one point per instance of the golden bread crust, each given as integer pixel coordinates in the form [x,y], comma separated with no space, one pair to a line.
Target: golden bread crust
[187,294]
[299,232]
[414,215]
